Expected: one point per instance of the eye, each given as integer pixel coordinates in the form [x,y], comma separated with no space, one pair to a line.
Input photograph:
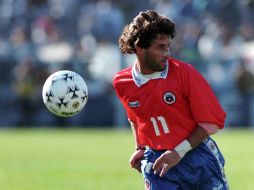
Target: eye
[162,47]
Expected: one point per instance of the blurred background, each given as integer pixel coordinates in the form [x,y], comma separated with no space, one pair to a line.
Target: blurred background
[39,37]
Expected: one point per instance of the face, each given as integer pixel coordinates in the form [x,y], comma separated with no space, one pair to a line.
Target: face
[154,58]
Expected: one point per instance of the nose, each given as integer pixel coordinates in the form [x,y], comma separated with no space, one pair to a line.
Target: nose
[166,54]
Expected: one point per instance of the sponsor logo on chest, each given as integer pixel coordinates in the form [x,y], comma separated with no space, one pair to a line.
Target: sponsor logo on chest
[134,104]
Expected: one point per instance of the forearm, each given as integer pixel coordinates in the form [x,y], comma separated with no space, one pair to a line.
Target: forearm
[202,132]
[197,137]
[192,141]
[138,155]
[135,134]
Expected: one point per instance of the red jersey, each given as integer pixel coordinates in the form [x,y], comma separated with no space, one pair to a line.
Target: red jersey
[167,107]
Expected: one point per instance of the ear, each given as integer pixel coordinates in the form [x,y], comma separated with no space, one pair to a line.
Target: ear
[139,50]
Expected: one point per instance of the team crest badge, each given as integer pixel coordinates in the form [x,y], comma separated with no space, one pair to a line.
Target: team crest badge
[169,98]
[147,184]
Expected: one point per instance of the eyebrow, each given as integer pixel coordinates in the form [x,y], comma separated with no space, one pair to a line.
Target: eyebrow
[163,45]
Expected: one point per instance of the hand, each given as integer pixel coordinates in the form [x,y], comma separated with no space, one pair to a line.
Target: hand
[135,160]
[166,161]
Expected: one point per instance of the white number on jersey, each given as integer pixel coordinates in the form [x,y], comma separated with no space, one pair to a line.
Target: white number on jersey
[163,122]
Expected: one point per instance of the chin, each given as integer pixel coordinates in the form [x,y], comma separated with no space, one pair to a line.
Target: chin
[162,66]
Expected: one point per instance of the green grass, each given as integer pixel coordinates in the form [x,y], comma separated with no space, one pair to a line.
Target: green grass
[237,147]
[76,159]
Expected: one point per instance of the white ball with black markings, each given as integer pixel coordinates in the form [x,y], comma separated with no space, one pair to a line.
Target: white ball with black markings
[65,93]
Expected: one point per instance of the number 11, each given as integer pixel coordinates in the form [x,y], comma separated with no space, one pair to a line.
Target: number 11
[163,122]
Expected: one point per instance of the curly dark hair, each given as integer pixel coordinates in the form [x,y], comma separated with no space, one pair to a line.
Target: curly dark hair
[143,30]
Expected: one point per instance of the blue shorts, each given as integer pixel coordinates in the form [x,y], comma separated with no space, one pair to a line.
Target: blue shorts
[200,169]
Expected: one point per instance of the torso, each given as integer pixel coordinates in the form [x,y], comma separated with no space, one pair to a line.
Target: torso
[160,107]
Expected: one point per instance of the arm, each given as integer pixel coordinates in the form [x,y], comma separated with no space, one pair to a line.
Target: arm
[138,154]
[171,158]
[197,136]
[135,134]
[202,132]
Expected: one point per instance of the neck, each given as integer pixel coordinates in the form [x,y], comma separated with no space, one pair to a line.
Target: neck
[143,70]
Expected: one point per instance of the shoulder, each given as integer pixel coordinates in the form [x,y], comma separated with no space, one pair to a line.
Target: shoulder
[182,68]
[122,77]
[180,65]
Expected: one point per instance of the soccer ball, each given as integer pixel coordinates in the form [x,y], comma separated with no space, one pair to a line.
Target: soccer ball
[65,93]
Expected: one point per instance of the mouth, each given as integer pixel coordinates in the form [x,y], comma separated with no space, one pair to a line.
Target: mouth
[162,63]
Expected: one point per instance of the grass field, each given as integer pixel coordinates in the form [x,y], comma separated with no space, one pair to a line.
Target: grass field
[76,159]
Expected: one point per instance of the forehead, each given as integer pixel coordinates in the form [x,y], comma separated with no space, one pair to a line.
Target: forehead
[161,39]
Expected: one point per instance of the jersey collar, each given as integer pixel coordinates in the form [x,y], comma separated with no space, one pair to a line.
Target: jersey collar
[141,79]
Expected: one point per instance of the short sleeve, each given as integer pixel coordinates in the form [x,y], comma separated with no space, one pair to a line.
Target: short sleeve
[129,113]
[204,105]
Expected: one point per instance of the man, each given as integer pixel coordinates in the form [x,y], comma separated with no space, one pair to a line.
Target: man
[172,111]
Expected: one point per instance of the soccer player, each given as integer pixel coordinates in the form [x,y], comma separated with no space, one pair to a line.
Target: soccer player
[171,109]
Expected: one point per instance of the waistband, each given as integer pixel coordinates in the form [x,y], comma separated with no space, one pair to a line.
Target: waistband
[208,141]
